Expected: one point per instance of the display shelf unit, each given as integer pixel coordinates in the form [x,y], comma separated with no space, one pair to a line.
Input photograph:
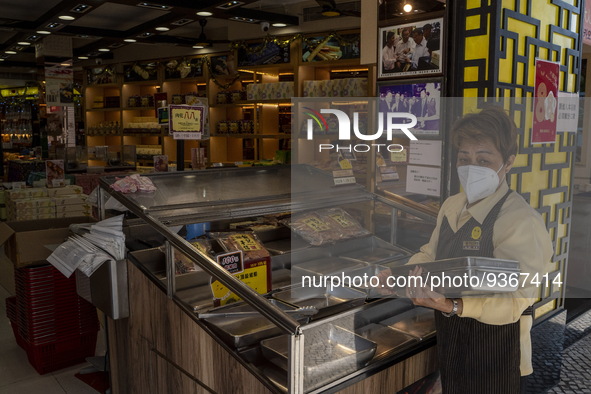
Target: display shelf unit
[270,130]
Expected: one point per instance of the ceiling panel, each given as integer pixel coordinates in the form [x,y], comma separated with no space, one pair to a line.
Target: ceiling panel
[28,10]
[111,16]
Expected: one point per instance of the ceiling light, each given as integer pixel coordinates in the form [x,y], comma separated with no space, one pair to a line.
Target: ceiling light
[53,25]
[205,13]
[80,8]
[10,52]
[104,50]
[66,17]
[83,57]
[198,46]
[1,60]
[65,64]
[182,22]
[230,4]
[407,7]
[32,38]
[279,24]
[162,28]
[241,19]
[146,34]
[155,6]
[130,40]
[23,43]
[331,13]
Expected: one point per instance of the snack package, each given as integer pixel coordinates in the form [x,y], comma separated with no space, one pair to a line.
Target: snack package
[313,228]
[342,222]
[183,264]
[247,242]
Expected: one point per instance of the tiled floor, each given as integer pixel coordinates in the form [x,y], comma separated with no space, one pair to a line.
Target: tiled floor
[17,376]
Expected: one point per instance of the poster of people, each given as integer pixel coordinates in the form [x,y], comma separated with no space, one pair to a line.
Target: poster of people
[411,49]
[422,99]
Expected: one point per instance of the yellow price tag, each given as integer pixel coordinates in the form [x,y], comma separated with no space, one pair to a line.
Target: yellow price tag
[316,224]
[246,242]
[341,220]
[345,164]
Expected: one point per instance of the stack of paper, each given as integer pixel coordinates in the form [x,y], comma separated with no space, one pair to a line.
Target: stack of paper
[87,252]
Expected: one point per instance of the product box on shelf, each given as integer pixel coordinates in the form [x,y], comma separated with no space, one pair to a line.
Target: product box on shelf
[25,242]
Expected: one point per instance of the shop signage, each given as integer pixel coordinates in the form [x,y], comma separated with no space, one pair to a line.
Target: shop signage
[186,122]
[423,180]
[545,102]
[231,262]
[59,85]
[587,23]
[568,112]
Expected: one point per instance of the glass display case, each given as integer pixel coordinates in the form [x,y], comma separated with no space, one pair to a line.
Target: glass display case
[353,332]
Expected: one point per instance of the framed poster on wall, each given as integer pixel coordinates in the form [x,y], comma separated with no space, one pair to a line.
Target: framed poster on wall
[411,49]
[418,97]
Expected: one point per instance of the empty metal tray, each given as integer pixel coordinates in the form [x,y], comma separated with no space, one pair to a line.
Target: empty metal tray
[327,301]
[418,322]
[388,341]
[370,250]
[382,311]
[325,267]
[239,332]
[466,276]
[330,352]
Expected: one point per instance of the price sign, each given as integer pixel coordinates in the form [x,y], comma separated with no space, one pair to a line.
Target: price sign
[316,224]
[344,181]
[232,261]
[246,242]
[186,122]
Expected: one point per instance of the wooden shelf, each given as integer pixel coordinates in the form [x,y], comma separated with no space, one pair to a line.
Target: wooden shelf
[104,109]
[139,108]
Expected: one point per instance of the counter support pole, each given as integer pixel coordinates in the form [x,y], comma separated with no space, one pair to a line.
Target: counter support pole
[295,378]
[170,269]
[394,226]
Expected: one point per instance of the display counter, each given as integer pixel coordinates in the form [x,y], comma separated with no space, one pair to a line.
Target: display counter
[178,340]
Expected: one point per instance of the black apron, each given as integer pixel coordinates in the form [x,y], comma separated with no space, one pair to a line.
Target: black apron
[475,358]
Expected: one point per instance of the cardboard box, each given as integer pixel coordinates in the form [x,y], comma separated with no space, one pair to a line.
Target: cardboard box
[24,242]
[70,208]
[63,191]
[74,199]
[7,274]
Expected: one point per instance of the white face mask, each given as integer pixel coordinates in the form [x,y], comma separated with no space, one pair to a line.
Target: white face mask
[478,182]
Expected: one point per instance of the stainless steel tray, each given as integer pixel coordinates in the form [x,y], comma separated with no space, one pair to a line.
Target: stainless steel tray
[327,301]
[388,341]
[330,352]
[240,332]
[371,250]
[473,275]
[382,311]
[418,322]
[326,266]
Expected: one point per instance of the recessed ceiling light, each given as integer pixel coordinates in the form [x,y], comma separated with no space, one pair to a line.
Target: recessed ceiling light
[130,40]
[279,24]
[43,32]
[1,60]
[66,17]
[205,13]
[23,43]
[146,34]
[104,50]
[10,52]
[230,4]
[182,22]
[198,46]
[241,19]
[407,7]
[53,25]
[155,6]
[80,8]
[83,57]
[65,64]
[162,28]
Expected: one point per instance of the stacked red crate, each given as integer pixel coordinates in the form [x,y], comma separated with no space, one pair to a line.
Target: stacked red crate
[52,323]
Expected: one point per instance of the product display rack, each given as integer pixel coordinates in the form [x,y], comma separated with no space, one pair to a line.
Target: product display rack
[184,199]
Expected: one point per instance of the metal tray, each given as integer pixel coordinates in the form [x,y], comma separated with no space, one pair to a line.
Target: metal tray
[418,322]
[329,353]
[327,301]
[473,275]
[371,250]
[388,341]
[382,311]
[240,332]
[280,278]
[326,266]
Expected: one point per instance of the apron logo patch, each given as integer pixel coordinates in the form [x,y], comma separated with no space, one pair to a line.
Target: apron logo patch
[471,245]
[476,232]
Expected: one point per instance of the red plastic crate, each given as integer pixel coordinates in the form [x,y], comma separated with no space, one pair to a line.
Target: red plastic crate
[62,353]
[11,308]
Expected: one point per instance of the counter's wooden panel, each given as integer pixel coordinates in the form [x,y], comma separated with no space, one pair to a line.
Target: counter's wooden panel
[399,376]
[200,362]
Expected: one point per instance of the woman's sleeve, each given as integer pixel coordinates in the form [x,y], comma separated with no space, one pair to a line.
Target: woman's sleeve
[523,238]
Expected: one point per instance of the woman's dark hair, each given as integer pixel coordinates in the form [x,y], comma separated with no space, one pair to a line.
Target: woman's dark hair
[492,124]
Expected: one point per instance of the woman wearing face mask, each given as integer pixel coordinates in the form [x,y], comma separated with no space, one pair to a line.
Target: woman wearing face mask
[484,343]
